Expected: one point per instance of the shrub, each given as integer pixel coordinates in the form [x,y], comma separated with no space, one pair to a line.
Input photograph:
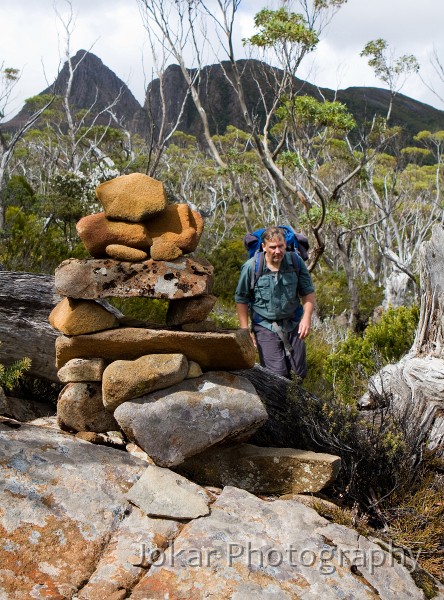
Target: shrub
[10,376]
[227,261]
[378,450]
[355,359]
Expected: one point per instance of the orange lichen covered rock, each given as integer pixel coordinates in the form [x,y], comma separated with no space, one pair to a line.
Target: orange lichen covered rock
[135,197]
[97,232]
[175,231]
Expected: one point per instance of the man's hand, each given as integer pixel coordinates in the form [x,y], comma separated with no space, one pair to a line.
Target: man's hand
[304,326]
[308,303]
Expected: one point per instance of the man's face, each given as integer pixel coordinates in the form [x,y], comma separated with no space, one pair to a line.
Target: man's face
[274,250]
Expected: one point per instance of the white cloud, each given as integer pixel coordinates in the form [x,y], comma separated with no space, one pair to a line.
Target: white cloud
[115,29]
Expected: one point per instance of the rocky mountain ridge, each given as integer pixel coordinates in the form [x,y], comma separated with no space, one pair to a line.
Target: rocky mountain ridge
[95,85]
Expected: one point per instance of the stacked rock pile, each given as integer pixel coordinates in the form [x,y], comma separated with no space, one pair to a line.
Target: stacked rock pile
[148,381]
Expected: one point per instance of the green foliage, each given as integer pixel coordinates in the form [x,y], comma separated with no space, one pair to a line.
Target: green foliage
[11,375]
[333,296]
[282,26]
[385,67]
[19,193]
[393,336]
[356,358]
[148,310]
[318,350]
[308,110]
[45,247]
[10,73]
[227,260]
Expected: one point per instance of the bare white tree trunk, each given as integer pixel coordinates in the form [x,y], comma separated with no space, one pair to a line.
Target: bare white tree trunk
[415,385]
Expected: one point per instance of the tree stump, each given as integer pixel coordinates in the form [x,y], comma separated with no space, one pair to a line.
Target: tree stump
[415,385]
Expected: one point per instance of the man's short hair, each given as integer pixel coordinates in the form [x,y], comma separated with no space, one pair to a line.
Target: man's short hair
[272,232]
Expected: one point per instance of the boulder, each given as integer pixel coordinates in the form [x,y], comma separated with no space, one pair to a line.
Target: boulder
[120,252]
[178,422]
[89,279]
[194,370]
[61,501]
[215,351]
[74,317]
[135,197]
[162,493]
[175,231]
[249,549]
[97,232]
[190,310]
[127,379]
[263,470]
[82,369]
[80,408]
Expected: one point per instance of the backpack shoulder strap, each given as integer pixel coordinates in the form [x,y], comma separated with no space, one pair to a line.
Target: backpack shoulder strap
[296,261]
[258,267]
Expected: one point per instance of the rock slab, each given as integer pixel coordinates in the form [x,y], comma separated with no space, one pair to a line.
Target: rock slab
[173,424]
[216,351]
[162,493]
[99,278]
[249,549]
[60,499]
[263,470]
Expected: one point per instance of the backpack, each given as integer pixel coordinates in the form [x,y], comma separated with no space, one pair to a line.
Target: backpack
[297,246]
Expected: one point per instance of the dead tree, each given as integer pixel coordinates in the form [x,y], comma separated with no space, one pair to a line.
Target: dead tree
[415,385]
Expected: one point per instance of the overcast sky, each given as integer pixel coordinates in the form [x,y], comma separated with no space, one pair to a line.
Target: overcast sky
[113,30]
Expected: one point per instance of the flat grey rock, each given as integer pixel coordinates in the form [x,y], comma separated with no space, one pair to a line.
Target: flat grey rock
[162,493]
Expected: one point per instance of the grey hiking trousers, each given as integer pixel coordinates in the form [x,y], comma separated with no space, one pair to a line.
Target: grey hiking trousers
[273,356]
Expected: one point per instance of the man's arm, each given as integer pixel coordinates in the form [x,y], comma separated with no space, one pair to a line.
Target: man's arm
[242,315]
[308,302]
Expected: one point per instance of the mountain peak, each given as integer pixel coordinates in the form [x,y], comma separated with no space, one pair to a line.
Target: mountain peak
[94,87]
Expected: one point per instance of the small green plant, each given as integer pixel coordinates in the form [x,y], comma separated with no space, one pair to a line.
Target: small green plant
[11,375]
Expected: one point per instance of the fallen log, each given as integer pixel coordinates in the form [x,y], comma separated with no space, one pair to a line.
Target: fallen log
[26,299]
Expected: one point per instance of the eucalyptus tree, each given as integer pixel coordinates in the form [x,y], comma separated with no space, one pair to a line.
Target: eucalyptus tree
[9,78]
[201,32]
[389,69]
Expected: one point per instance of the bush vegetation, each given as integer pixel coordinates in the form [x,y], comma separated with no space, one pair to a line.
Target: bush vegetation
[387,479]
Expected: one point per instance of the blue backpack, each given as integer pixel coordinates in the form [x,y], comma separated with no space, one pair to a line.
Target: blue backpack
[297,246]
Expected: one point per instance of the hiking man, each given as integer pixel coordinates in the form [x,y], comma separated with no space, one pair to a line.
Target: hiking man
[281,302]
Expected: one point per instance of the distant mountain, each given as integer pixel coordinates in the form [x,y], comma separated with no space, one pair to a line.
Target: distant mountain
[220,102]
[94,85]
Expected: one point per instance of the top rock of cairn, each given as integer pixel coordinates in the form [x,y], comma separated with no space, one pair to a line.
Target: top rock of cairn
[134,198]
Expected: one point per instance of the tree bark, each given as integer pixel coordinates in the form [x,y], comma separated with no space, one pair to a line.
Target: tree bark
[26,301]
[415,385]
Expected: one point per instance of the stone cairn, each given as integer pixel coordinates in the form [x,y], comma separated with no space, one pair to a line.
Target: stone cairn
[168,389]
